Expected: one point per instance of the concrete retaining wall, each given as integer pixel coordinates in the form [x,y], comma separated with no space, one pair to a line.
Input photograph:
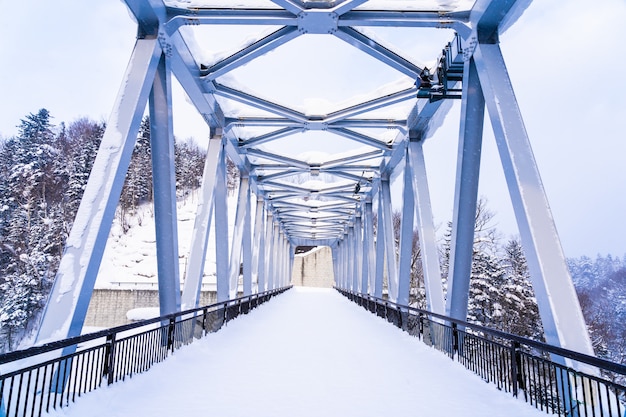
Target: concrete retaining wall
[108,308]
[314,268]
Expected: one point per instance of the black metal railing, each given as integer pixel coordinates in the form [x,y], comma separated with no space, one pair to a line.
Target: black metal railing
[41,378]
[555,380]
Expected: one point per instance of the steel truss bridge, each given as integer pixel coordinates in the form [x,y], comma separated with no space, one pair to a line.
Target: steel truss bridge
[318,197]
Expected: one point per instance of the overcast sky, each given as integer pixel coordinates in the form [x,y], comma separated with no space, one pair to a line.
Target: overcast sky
[563,58]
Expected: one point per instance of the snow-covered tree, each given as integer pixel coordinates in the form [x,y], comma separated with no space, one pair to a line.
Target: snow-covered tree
[521,313]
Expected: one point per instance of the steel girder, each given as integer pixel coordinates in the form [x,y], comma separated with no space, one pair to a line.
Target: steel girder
[287,211]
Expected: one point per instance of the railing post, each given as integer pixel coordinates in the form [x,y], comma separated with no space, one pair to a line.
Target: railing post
[204,319]
[170,334]
[109,358]
[514,366]
[455,339]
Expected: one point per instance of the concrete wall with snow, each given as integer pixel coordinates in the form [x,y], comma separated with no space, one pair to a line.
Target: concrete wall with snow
[109,307]
[314,268]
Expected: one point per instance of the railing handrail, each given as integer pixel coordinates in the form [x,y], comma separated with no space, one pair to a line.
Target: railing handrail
[60,344]
[559,351]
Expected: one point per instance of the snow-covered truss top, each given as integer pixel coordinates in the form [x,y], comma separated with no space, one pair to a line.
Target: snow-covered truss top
[316,99]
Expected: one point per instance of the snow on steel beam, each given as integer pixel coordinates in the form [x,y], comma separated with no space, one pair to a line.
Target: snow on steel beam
[188,75]
[66,309]
[260,178]
[369,123]
[493,17]
[261,122]
[345,6]
[291,6]
[148,14]
[377,51]
[292,162]
[406,18]
[268,137]
[352,159]
[562,318]
[255,102]
[359,137]
[371,105]
[193,16]
[250,52]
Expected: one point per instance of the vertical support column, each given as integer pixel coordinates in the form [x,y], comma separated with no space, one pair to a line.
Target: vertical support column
[202,225]
[334,250]
[367,284]
[247,248]
[69,298]
[243,210]
[390,249]
[380,248]
[259,246]
[221,231]
[406,235]
[466,193]
[426,230]
[269,239]
[358,255]
[369,251]
[164,189]
[292,255]
[273,256]
[559,308]
[350,259]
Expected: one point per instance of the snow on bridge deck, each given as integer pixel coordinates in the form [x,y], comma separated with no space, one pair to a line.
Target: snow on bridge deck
[308,352]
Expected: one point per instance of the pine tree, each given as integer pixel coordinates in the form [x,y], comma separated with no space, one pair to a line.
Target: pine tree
[521,315]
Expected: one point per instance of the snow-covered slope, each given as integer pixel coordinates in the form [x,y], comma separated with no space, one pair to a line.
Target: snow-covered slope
[129,260]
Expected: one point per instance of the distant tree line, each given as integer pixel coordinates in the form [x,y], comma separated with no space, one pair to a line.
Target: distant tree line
[501,294]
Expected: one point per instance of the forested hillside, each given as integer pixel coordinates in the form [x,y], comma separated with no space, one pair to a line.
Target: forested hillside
[44,169]
[43,173]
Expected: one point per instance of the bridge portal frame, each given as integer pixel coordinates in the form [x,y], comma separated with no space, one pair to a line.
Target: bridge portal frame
[160,51]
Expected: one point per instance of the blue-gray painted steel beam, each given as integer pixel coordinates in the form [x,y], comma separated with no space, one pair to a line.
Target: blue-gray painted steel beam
[378,51]
[250,52]
[256,102]
[164,189]
[429,247]
[258,247]
[390,246]
[439,19]
[67,305]
[406,235]
[380,246]
[177,17]
[359,137]
[243,207]
[220,211]
[271,136]
[246,247]
[465,193]
[202,225]
[371,105]
[367,282]
[562,318]
[358,258]
[274,256]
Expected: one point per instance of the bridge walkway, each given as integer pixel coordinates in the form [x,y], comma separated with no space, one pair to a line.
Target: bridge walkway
[309,352]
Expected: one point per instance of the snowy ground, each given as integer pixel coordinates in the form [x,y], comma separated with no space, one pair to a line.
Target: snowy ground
[308,352]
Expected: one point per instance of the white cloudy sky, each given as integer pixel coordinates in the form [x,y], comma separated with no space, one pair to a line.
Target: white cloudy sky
[563,57]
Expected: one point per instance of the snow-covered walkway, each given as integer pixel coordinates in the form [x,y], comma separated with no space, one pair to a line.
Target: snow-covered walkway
[307,352]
